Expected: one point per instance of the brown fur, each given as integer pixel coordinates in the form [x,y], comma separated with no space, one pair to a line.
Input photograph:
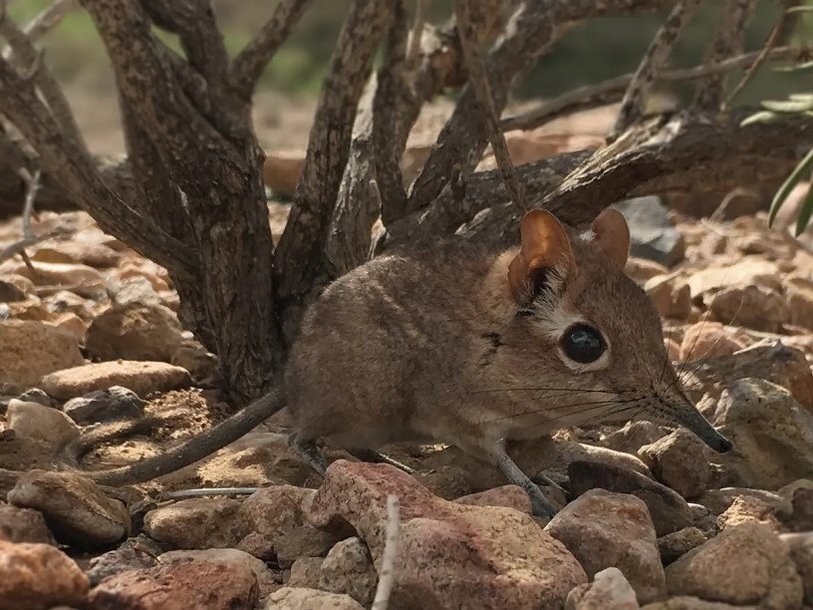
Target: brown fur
[428,345]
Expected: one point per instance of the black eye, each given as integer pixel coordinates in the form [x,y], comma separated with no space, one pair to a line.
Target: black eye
[583,343]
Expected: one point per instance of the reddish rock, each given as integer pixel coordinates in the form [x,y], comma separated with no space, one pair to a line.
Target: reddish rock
[450,555]
[604,529]
[38,577]
[178,586]
[510,496]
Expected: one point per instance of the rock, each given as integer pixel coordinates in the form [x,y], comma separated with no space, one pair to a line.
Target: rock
[302,541]
[688,602]
[306,572]
[33,349]
[68,274]
[65,301]
[608,591]
[800,302]
[604,529]
[281,170]
[348,568]
[136,290]
[450,555]
[747,509]
[751,306]
[178,586]
[143,378]
[73,325]
[36,395]
[706,339]
[653,235]
[23,525]
[801,503]
[122,559]
[746,564]
[641,270]
[113,403]
[679,460]
[749,271]
[269,514]
[801,551]
[197,523]
[632,436]
[675,545]
[135,331]
[196,359]
[777,363]
[670,295]
[75,508]
[771,431]
[38,577]
[668,510]
[9,293]
[569,452]
[226,556]
[511,496]
[298,598]
[73,251]
[32,420]
[717,501]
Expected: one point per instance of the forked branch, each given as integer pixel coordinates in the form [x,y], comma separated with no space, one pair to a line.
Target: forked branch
[249,64]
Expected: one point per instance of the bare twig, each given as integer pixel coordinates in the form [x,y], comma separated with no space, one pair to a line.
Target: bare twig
[653,62]
[728,41]
[300,254]
[764,54]
[479,82]
[28,207]
[389,134]
[249,64]
[532,28]
[348,240]
[611,90]
[416,33]
[25,57]
[48,19]
[386,570]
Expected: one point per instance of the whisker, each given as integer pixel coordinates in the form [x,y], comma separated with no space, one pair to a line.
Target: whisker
[592,405]
[598,417]
[543,389]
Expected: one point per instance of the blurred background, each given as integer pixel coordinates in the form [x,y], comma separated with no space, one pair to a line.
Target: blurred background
[589,53]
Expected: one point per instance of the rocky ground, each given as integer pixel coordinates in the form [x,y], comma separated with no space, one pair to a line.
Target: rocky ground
[650,518]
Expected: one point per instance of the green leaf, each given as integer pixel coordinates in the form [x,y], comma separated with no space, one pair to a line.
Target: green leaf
[789,106]
[765,116]
[801,96]
[805,8]
[782,194]
[803,219]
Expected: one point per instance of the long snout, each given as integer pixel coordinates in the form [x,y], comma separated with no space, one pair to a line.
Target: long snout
[692,419]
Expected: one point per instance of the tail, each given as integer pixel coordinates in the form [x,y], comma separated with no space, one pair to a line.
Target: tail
[194,449]
[71,453]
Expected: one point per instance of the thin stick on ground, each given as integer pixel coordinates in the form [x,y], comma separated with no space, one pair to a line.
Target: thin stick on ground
[387,570]
[479,82]
[653,62]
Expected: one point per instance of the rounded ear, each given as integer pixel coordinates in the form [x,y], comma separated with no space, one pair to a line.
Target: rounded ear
[544,246]
[612,235]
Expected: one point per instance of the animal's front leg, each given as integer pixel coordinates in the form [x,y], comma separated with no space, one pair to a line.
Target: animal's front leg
[542,507]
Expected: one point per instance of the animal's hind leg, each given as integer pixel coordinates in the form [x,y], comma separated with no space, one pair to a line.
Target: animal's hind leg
[309,452]
[368,455]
